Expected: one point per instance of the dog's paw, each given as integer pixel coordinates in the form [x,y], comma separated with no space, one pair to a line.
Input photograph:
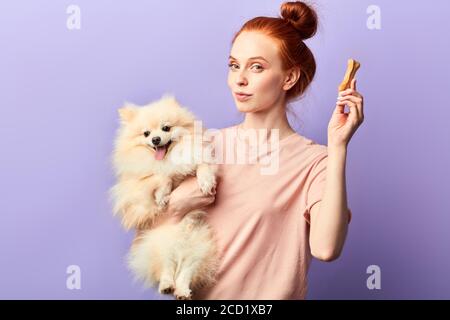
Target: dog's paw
[161,199]
[166,288]
[185,294]
[207,184]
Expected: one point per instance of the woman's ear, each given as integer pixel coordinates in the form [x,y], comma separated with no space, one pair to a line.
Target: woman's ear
[291,78]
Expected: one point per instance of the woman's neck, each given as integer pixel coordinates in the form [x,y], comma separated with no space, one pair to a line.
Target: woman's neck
[273,117]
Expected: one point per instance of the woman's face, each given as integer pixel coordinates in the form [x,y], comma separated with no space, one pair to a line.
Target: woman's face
[255,68]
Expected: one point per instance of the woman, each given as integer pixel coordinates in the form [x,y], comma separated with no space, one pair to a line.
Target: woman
[270,226]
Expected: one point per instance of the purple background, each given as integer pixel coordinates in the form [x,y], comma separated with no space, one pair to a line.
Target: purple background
[60,90]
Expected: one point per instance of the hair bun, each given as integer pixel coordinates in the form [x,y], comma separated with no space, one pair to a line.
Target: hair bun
[301,16]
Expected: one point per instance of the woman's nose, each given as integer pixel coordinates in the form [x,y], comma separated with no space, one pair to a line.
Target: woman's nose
[241,79]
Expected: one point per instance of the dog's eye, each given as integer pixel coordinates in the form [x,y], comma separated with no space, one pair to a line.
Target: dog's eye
[146,133]
[165,128]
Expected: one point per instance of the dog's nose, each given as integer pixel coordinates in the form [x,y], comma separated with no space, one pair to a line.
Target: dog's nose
[156,140]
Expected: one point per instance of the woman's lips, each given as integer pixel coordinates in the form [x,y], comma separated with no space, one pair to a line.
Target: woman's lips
[242,97]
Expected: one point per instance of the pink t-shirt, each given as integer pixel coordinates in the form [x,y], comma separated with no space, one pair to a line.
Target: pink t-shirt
[261,221]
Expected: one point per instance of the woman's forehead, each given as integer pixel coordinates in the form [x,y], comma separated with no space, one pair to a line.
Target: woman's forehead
[254,44]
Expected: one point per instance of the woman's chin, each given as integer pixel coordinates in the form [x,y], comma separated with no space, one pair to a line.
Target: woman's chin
[244,107]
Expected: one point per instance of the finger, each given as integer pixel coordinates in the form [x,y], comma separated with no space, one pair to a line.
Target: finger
[354,114]
[340,108]
[349,92]
[174,219]
[358,101]
[346,92]
[354,99]
[352,105]
[353,84]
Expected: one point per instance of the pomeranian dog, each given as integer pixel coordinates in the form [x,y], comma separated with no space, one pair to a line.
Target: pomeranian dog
[156,148]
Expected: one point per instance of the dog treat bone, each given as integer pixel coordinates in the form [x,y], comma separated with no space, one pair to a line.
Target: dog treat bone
[352,67]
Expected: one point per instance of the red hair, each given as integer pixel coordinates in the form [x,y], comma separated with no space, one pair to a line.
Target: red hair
[298,22]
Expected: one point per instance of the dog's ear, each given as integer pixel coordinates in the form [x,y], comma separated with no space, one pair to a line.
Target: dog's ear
[127,112]
[169,96]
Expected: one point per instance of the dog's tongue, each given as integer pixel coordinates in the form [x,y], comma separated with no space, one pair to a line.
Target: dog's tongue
[160,153]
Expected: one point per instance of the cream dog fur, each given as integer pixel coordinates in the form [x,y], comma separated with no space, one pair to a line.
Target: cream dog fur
[155,149]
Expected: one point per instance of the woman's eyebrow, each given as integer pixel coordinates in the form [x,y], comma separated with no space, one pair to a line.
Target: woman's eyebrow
[252,58]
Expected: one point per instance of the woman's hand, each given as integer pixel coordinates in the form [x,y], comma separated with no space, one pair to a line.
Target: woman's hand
[343,125]
[183,199]
[186,197]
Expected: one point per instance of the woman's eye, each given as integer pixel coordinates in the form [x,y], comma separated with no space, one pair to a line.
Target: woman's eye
[146,133]
[259,67]
[165,128]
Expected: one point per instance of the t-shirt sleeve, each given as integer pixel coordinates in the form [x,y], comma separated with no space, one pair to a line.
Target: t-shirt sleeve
[315,185]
